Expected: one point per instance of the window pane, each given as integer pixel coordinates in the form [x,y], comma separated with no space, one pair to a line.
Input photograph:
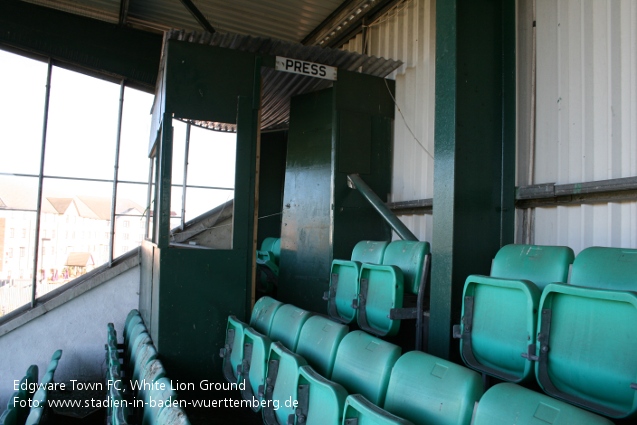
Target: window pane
[15,272]
[199,201]
[130,222]
[82,127]
[211,161]
[22,92]
[76,219]
[135,134]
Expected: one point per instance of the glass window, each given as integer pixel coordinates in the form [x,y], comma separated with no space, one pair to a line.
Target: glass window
[22,88]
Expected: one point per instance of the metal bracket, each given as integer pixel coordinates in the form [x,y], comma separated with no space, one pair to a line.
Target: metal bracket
[530,353]
[330,297]
[243,372]
[303,399]
[225,355]
[633,386]
[269,416]
[362,312]
[457,334]
[351,421]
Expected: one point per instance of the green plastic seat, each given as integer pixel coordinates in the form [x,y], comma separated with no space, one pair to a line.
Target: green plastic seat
[32,376]
[325,399]
[152,372]
[144,355]
[261,320]
[252,371]
[282,385]
[142,339]
[130,324]
[39,398]
[363,365]
[344,275]
[286,325]
[232,353]
[14,402]
[606,268]
[499,312]
[360,411]
[429,390]
[35,416]
[267,244]
[318,342]
[10,417]
[173,415]
[263,314]
[382,287]
[162,395]
[130,341]
[52,366]
[381,290]
[506,404]
[586,348]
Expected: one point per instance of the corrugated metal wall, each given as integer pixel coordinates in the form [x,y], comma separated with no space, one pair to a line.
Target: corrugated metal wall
[407,33]
[586,116]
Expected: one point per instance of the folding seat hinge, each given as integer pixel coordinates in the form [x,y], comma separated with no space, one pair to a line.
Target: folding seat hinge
[530,353]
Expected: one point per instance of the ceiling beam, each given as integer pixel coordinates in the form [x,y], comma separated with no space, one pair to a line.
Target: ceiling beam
[196,13]
[123,11]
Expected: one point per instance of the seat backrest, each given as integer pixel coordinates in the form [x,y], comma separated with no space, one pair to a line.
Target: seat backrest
[286,325]
[607,268]
[505,404]
[162,394]
[371,252]
[267,244]
[282,383]
[429,390]
[318,342]
[325,398]
[173,415]
[381,290]
[538,263]
[409,256]
[363,365]
[343,290]
[263,314]
[586,348]
[133,315]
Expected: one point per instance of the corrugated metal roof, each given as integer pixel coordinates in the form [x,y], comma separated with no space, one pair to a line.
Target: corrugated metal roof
[279,87]
[289,20]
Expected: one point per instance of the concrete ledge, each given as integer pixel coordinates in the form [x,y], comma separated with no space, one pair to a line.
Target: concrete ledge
[68,292]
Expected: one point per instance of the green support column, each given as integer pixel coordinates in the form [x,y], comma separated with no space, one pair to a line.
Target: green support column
[474,152]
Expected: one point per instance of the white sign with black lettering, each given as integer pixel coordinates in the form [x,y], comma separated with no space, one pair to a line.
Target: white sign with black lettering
[310,69]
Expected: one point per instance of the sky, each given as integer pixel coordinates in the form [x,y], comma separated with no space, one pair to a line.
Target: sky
[81,138]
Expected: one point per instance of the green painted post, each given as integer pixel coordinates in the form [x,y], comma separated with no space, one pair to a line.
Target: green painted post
[474,152]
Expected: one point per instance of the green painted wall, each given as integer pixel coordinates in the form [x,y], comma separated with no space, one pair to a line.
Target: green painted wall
[338,131]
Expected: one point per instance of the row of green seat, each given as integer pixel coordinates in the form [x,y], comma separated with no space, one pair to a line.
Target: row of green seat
[580,346]
[371,286]
[140,364]
[348,378]
[28,404]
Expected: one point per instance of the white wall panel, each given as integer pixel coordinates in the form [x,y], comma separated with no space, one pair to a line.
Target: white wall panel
[407,33]
[586,116]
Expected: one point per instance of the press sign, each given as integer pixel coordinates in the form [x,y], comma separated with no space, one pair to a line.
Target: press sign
[310,69]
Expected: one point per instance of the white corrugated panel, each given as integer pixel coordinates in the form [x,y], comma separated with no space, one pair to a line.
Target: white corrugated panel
[407,33]
[586,115]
